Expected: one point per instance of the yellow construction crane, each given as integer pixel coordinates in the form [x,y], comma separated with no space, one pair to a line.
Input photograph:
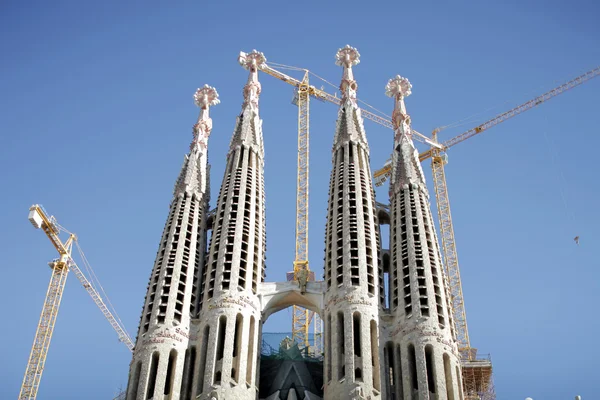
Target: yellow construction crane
[476,371]
[301,318]
[438,160]
[60,269]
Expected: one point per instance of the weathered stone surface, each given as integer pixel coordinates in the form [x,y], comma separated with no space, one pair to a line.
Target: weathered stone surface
[200,332]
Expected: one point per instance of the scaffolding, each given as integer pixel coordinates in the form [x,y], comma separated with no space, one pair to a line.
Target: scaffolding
[478,382]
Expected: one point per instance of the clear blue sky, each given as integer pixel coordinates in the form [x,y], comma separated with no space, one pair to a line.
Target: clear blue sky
[97,109]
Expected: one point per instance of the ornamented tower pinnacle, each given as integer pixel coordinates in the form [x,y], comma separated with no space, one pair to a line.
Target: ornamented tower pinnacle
[421,350]
[171,300]
[351,301]
[228,333]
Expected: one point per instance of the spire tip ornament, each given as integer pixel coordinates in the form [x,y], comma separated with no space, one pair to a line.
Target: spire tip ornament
[252,61]
[398,86]
[204,97]
[347,57]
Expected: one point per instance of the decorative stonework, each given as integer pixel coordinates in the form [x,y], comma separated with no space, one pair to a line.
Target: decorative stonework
[252,61]
[399,88]
[348,57]
[204,98]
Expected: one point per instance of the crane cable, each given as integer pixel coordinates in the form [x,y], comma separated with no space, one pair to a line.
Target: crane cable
[336,87]
[96,282]
[478,116]
[560,177]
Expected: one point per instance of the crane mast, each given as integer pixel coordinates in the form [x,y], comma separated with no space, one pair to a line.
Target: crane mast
[60,269]
[43,334]
[301,317]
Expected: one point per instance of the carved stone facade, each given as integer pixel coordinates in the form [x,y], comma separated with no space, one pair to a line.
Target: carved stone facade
[173,290]
[388,326]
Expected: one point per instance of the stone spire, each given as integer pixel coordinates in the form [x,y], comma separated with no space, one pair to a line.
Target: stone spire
[194,172]
[348,57]
[248,129]
[157,367]
[350,123]
[351,263]
[406,167]
[230,319]
[417,366]
[204,98]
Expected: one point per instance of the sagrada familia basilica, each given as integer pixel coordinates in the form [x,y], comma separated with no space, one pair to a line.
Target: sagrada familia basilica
[201,326]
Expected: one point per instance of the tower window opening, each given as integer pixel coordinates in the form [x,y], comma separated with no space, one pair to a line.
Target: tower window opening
[237,341]
[135,382]
[328,339]
[400,377]
[357,374]
[375,356]
[386,285]
[250,360]
[391,367]
[221,333]
[152,377]
[429,365]
[459,384]
[202,365]
[412,369]
[170,376]
[188,367]
[356,334]
[341,348]
[448,376]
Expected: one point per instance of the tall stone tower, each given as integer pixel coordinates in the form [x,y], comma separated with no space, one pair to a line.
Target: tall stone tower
[230,316]
[421,349]
[200,330]
[172,298]
[351,298]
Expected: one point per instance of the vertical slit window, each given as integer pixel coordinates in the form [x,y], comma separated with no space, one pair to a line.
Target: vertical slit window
[171,365]
[221,340]
[429,365]
[391,369]
[328,339]
[237,342]
[459,381]
[188,376]
[135,381]
[202,363]
[152,376]
[412,369]
[356,334]
[250,360]
[341,349]
[448,375]
[375,356]
[399,375]
[386,285]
